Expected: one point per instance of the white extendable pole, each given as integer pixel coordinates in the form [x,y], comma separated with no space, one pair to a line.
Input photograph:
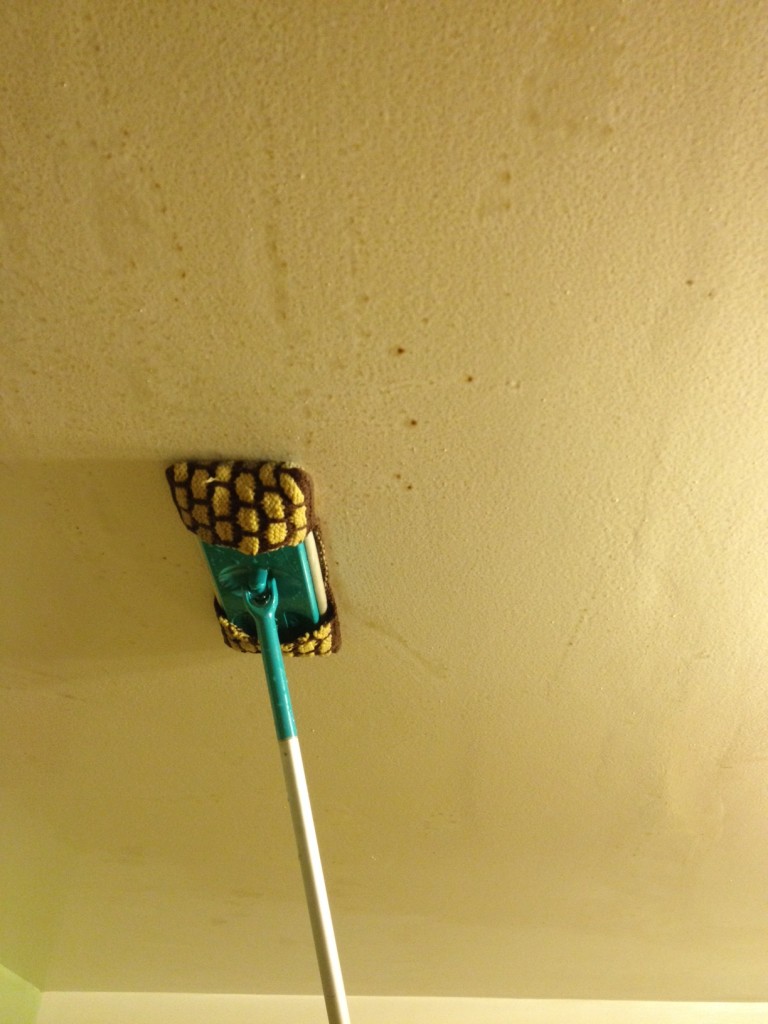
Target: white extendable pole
[262,605]
[314,881]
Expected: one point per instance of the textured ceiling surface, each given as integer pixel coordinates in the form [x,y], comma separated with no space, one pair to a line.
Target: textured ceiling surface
[495,274]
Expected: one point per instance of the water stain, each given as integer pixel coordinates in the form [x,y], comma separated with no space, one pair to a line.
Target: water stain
[398,643]
[495,197]
[278,271]
[570,89]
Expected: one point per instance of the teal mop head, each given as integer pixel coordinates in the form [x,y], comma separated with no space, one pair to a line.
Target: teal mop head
[257,516]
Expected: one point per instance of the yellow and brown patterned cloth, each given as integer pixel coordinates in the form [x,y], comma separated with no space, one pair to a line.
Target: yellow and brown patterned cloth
[253,507]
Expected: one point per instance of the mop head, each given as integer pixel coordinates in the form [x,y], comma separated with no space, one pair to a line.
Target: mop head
[254,508]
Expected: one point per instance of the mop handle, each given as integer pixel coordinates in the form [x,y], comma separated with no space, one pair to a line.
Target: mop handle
[262,605]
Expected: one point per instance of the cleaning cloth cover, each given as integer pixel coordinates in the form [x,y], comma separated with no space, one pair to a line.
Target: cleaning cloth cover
[252,509]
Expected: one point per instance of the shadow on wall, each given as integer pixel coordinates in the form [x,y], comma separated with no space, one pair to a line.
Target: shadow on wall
[98,565]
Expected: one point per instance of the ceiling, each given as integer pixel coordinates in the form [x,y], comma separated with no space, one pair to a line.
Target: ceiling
[495,274]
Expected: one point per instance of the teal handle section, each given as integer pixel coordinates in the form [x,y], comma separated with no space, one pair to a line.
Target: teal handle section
[262,605]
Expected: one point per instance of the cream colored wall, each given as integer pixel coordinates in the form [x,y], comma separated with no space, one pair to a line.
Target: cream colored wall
[495,272]
[168,1008]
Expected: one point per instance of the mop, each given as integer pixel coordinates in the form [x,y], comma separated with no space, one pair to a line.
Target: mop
[260,537]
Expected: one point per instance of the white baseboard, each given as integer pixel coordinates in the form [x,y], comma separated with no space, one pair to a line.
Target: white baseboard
[187,1008]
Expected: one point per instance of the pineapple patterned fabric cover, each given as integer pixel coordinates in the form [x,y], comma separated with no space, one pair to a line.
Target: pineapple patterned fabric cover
[253,507]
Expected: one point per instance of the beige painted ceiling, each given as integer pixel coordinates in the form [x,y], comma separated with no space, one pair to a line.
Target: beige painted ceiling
[495,273]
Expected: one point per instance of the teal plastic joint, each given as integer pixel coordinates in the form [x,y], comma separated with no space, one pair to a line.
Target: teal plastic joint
[262,604]
[235,574]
